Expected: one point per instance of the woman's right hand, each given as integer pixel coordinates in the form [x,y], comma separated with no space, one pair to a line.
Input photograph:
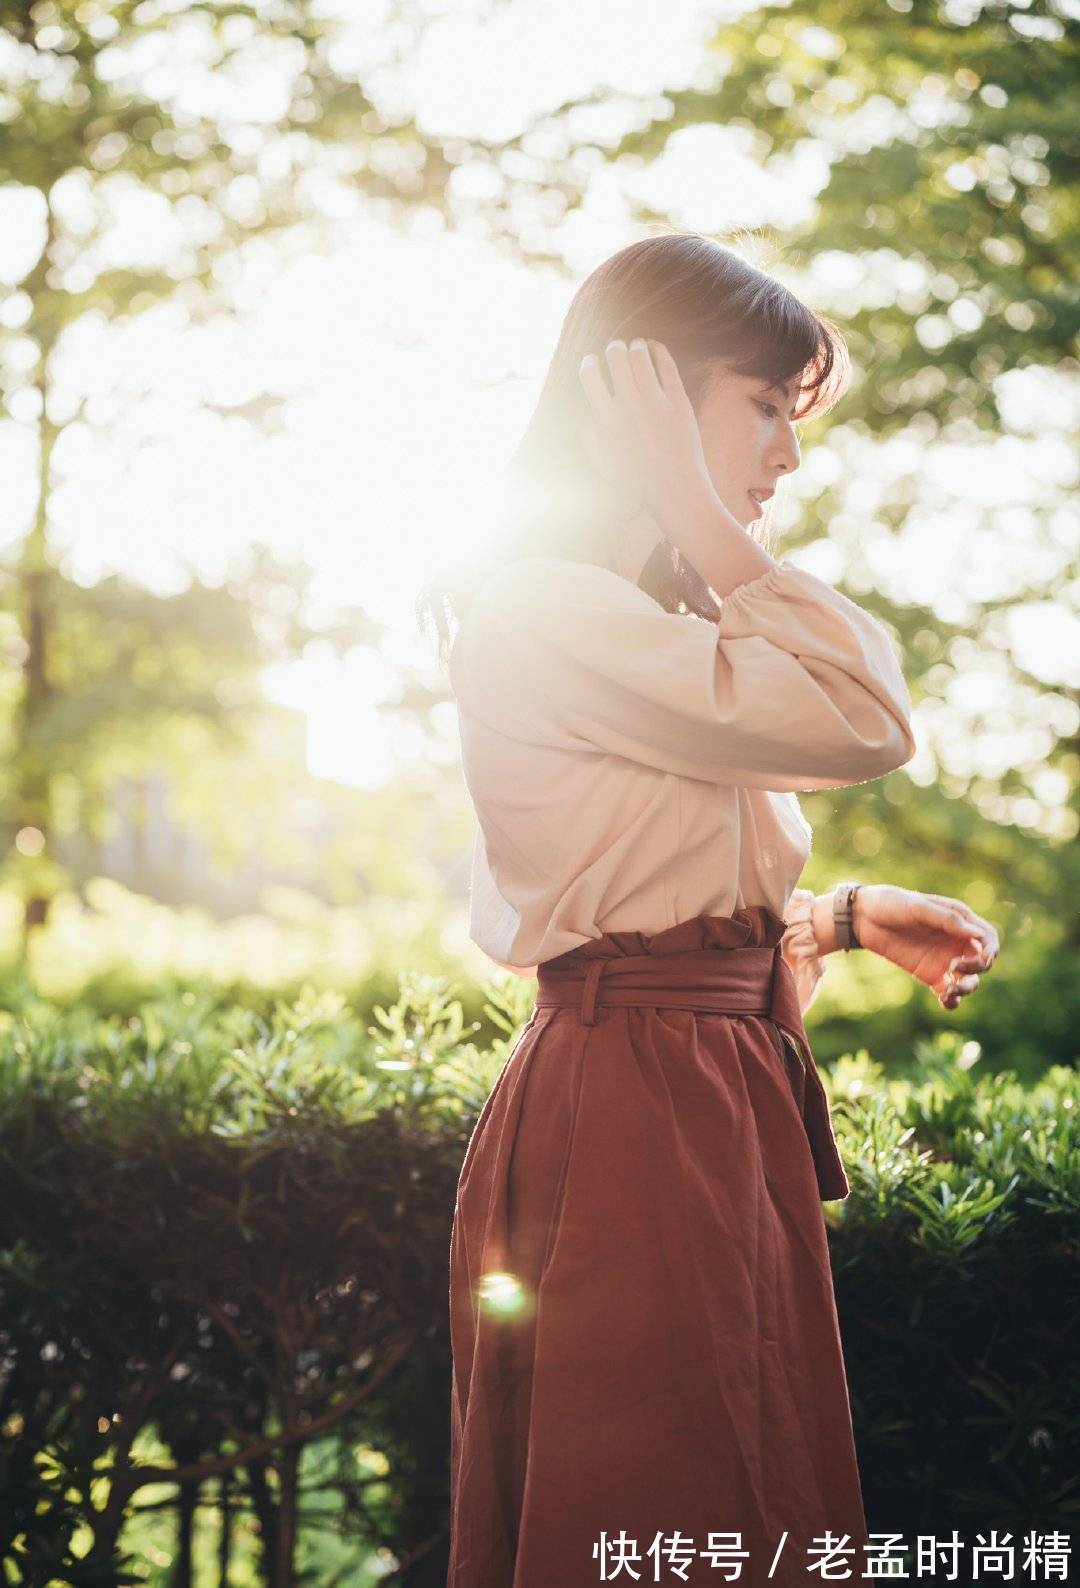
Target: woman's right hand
[648,432]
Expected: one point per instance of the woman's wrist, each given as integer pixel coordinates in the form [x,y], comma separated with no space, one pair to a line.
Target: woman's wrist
[716,544]
[824,927]
[821,914]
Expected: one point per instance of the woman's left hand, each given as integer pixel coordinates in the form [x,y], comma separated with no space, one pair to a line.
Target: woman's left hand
[940,940]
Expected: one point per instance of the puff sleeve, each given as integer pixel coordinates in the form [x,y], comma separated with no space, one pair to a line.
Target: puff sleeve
[799,946]
[795,687]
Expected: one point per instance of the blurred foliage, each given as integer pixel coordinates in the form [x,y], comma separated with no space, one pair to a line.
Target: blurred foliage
[247,830]
[109,954]
[131,681]
[223,1255]
[957,1273]
[110,678]
[142,1307]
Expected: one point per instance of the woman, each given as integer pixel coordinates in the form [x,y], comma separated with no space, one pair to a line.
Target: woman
[648,1375]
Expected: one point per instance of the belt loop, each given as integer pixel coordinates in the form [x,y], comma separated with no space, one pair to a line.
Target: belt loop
[588,997]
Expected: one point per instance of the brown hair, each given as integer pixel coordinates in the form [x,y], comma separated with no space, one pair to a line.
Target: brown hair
[710,307]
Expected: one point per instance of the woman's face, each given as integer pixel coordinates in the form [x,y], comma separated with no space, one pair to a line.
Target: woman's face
[748,438]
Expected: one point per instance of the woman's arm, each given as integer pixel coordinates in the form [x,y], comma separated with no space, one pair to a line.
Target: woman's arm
[939,940]
[825,926]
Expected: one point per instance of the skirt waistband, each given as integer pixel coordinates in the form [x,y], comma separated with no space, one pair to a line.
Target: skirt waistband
[728,981]
[735,981]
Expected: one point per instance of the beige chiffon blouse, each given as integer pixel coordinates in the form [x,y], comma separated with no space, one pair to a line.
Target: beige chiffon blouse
[631,767]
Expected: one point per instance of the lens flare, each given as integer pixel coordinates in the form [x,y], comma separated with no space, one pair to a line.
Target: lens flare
[502,1295]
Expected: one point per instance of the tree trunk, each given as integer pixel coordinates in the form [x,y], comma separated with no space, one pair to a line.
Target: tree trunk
[266,1511]
[288,1467]
[32,809]
[187,1505]
[225,1536]
[36,574]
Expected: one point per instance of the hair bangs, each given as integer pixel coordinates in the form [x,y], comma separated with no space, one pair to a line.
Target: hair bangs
[782,340]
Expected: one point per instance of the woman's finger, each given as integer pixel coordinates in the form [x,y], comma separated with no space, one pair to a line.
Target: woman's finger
[982,956]
[986,929]
[978,957]
[936,905]
[668,374]
[985,938]
[606,423]
[955,988]
[622,374]
[953,915]
[644,372]
[596,390]
[958,906]
[948,898]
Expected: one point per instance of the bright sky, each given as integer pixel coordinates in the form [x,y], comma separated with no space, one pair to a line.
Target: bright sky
[410,364]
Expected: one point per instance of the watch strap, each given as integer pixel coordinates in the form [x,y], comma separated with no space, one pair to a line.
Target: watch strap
[844,914]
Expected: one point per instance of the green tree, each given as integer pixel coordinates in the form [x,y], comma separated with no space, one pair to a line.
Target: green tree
[137,681]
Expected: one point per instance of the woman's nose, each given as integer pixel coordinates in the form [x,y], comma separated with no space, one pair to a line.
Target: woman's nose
[785,455]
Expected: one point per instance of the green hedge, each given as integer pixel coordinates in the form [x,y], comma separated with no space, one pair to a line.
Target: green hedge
[224,1251]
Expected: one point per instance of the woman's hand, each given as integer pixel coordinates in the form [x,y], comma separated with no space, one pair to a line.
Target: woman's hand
[940,940]
[649,441]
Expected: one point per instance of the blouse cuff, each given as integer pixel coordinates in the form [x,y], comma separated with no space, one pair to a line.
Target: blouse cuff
[763,584]
[799,946]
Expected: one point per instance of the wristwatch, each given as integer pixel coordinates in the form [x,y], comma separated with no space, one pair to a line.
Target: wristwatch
[844,914]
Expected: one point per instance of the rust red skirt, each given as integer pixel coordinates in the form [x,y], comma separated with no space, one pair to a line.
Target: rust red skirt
[647,1364]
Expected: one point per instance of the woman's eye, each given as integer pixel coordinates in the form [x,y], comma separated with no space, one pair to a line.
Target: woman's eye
[769,409]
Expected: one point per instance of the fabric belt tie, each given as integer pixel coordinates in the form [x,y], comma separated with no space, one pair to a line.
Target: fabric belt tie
[730,981]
